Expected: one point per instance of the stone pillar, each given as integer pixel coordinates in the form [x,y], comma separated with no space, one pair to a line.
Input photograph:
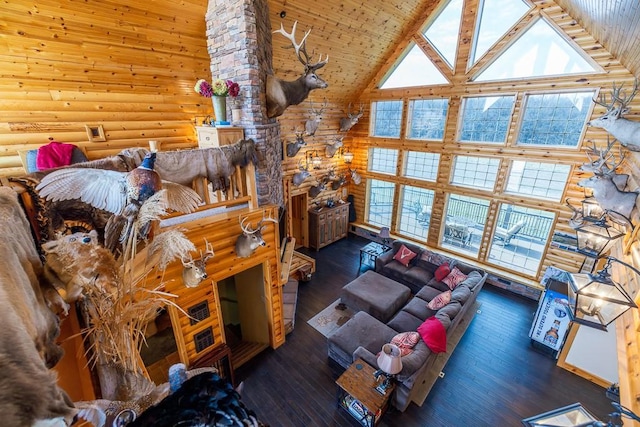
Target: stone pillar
[239,44]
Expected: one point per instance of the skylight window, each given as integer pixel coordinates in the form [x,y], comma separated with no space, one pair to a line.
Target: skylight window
[442,33]
[539,52]
[414,69]
[495,18]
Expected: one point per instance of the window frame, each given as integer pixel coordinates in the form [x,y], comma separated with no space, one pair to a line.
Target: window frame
[374,111]
[409,117]
[510,124]
[506,191]
[454,157]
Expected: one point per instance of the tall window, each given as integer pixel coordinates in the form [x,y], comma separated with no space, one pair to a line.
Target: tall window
[486,118]
[478,172]
[420,165]
[520,238]
[555,119]
[427,118]
[544,180]
[380,206]
[386,118]
[415,211]
[383,160]
[464,222]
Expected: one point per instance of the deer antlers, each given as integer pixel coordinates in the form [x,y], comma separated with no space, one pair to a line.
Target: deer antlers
[247,229]
[301,49]
[618,95]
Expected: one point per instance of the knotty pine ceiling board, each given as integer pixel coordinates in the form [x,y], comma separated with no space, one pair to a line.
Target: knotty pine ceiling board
[357,35]
[615,24]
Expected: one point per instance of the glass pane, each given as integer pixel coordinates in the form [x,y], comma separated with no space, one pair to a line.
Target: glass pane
[380,202]
[494,20]
[464,222]
[383,160]
[520,238]
[543,180]
[443,31]
[539,52]
[421,165]
[415,211]
[478,172]
[386,118]
[414,69]
[554,119]
[486,118]
[427,118]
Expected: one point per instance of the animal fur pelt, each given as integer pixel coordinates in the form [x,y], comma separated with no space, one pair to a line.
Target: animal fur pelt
[216,164]
[76,261]
[28,390]
[204,400]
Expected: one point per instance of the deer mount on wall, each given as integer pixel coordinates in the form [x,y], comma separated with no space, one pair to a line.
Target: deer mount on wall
[346,123]
[607,185]
[627,132]
[251,238]
[302,174]
[311,125]
[195,271]
[280,93]
[333,146]
[294,147]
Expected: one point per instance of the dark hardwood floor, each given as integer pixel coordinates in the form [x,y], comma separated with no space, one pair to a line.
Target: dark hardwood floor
[494,377]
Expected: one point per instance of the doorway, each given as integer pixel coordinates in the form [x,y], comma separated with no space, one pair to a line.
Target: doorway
[300,219]
[244,314]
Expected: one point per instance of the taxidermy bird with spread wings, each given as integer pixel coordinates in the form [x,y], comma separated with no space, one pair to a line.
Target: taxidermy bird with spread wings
[121,193]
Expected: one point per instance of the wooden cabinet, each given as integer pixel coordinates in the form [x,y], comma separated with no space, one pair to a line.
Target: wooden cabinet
[328,225]
[209,136]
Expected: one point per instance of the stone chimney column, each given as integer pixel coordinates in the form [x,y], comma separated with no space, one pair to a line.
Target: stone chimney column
[239,44]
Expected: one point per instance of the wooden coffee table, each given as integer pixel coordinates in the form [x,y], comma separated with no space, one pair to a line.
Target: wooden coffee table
[357,394]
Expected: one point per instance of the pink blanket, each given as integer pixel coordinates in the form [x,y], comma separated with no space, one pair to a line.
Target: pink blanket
[53,155]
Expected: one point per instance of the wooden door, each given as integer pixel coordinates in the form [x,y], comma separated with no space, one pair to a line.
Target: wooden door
[300,220]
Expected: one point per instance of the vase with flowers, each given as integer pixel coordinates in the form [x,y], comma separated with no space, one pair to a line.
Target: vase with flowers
[218,92]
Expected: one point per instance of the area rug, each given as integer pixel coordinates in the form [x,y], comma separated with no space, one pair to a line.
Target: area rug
[331,318]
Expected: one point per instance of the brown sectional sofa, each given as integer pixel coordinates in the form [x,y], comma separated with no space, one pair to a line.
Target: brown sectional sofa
[363,335]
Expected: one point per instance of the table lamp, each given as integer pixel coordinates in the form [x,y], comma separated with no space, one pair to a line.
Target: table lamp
[389,364]
[385,236]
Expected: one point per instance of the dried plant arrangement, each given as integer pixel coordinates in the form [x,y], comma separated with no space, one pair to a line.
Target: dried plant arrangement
[116,317]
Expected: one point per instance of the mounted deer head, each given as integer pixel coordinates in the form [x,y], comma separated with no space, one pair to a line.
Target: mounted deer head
[195,271]
[294,147]
[333,147]
[346,123]
[355,176]
[577,219]
[311,125]
[625,131]
[603,162]
[299,177]
[251,238]
[338,182]
[315,190]
[280,93]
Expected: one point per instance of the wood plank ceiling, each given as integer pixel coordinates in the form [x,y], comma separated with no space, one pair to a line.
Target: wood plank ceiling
[359,35]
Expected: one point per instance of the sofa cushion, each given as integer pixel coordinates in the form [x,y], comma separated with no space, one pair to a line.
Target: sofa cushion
[441,286]
[406,341]
[434,335]
[461,293]
[418,308]
[454,278]
[427,293]
[442,271]
[417,276]
[440,300]
[404,321]
[450,310]
[473,278]
[404,255]
[361,330]
[431,261]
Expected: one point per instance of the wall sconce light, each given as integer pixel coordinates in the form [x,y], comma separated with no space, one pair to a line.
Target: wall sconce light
[595,299]
[591,210]
[346,156]
[596,237]
[314,159]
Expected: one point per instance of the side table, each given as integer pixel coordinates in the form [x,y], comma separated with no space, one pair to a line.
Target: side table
[358,396]
[368,255]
